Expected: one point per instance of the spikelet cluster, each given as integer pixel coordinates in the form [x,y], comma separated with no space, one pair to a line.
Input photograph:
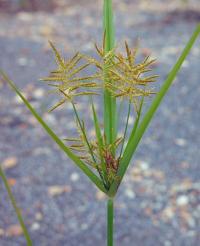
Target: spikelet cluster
[121,75]
[115,72]
[66,81]
[94,155]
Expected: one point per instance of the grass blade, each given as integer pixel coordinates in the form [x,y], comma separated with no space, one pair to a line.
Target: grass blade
[109,101]
[134,140]
[125,130]
[17,210]
[59,142]
[137,120]
[99,139]
[82,128]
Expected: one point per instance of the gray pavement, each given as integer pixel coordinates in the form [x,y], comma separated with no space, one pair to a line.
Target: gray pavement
[158,204]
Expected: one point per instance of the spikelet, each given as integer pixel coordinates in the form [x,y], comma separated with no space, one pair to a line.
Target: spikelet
[124,77]
[80,148]
[66,80]
[127,78]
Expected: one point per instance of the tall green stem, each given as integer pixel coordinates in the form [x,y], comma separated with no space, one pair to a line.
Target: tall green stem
[110,218]
[109,101]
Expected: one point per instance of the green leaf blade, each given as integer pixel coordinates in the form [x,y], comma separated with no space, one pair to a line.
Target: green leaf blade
[109,101]
[56,139]
[99,137]
[16,208]
[134,140]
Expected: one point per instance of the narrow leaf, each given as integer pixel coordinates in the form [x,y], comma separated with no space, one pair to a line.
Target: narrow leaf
[59,142]
[99,137]
[134,140]
[17,210]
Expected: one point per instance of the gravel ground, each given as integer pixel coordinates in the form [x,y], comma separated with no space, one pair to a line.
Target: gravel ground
[159,200]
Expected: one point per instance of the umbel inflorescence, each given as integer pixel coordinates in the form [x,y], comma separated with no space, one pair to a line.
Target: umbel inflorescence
[117,77]
[115,72]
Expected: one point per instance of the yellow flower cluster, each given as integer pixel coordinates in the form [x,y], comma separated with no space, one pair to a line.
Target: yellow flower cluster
[117,73]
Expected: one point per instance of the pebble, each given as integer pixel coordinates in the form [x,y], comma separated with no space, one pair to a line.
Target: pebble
[2,232]
[35,226]
[182,200]
[10,162]
[180,142]
[168,213]
[38,93]
[14,231]
[22,61]
[57,190]
[100,196]
[12,181]
[38,216]
[144,165]
[74,177]
[129,193]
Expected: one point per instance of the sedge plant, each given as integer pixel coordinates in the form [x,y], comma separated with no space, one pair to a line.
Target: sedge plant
[117,78]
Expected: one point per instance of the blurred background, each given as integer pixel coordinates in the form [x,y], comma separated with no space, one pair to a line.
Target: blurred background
[158,203]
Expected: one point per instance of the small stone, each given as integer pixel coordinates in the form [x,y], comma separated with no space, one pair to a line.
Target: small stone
[14,231]
[38,93]
[57,190]
[38,216]
[74,177]
[22,61]
[168,213]
[10,162]
[180,142]
[129,193]
[144,165]
[46,30]
[2,232]
[100,196]
[35,226]
[182,200]
[12,181]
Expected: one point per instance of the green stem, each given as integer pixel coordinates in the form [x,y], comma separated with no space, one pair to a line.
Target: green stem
[109,101]
[126,128]
[83,131]
[110,218]
[17,210]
